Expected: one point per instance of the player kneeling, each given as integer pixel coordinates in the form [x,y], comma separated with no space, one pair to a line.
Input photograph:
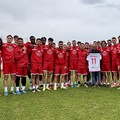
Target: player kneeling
[60,65]
[21,57]
[36,64]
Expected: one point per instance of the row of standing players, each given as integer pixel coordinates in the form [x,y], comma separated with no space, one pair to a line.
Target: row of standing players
[52,64]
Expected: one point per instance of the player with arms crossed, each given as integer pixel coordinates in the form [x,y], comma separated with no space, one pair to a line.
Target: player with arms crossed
[21,57]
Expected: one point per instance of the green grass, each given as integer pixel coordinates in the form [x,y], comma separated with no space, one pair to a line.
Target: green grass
[71,104]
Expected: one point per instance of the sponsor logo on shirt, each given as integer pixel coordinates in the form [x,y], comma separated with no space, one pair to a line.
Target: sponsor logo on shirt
[10,49]
[39,53]
[50,52]
[74,52]
[60,55]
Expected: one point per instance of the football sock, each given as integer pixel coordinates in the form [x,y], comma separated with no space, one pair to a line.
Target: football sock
[47,85]
[17,88]
[33,87]
[23,87]
[43,85]
[55,85]
[62,84]
[5,88]
[12,88]
[36,86]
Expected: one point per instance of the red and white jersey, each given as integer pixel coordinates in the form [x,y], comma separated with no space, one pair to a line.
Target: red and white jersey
[94,62]
[29,49]
[48,53]
[20,57]
[118,60]
[37,54]
[60,56]
[8,50]
[74,53]
[105,54]
[67,58]
[82,55]
[114,52]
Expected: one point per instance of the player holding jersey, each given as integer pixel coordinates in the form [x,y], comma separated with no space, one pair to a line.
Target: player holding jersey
[94,64]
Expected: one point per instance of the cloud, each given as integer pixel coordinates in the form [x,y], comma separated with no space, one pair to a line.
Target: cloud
[84,20]
[92,2]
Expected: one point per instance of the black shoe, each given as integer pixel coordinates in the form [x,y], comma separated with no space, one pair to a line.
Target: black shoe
[33,90]
[98,86]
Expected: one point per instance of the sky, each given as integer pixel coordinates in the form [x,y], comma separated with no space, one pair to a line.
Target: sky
[66,20]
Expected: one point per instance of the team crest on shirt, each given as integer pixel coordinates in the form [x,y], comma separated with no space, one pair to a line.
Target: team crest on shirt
[10,49]
[60,55]
[104,53]
[74,52]
[38,53]
[114,50]
[50,52]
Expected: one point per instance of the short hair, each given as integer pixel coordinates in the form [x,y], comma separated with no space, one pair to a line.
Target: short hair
[68,42]
[109,40]
[20,39]
[38,39]
[54,43]
[9,36]
[50,39]
[1,41]
[43,38]
[15,36]
[98,42]
[118,36]
[113,37]
[31,37]
[86,43]
[103,42]
[74,41]
[60,41]
[78,42]
[82,43]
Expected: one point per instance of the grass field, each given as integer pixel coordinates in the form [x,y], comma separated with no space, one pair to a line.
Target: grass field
[71,104]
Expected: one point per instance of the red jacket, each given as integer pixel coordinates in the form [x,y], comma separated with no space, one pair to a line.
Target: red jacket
[37,55]
[74,54]
[60,56]
[8,50]
[105,54]
[48,53]
[114,52]
[20,57]
[82,55]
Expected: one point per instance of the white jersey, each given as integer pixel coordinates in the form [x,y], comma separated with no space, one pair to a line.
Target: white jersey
[94,62]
